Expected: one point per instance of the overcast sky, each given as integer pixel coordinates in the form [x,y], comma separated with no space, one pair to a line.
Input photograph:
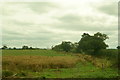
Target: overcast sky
[43,24]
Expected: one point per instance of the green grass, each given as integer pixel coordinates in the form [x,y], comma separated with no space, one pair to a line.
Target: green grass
[80,70]
[32,52]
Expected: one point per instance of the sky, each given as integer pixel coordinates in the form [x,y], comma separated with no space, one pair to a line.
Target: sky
[47,23]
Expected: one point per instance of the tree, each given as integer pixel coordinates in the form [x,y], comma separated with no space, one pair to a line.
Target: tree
[30,48]
[14,47]
[118,47]
[9,48]
[101,36]
[57,48]
[66,46]
[74,47]
[4,47]
[92,43]
[85,35]
[25,47]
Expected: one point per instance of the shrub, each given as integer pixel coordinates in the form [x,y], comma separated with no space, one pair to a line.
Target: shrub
[7,73]
[22,74]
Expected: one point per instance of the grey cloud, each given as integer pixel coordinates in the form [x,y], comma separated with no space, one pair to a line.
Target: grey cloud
[70,18]
[42,7]
[69,27]
[84,23]
[110,8]
[37,7]
[84,27]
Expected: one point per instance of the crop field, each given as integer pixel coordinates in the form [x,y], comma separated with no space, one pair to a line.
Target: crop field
[52,64]
[31,53]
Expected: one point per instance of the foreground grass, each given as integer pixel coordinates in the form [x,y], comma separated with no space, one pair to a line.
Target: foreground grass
[79,71]
[37,63]
[50,64]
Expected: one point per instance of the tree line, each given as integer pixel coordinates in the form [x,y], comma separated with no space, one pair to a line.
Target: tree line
[23,48]
[87,44]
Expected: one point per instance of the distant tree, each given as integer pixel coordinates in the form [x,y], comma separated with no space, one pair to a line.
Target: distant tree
[74,47]
[30,48]
[25,47]
[66,46]
[118,47]
[14,47]
[4,47]
[94,43]
[10,48]
[57,48]
[101,36]
[85,35]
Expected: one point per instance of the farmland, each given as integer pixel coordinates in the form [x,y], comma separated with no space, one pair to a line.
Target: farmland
[52,64]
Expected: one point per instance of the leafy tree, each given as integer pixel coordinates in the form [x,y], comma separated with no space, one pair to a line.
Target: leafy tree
[118,47]
[25,47]
[57,48]
[4,47]
[30,48]
[14,48]
[66,46]
[9,48]
[85,35]
[74,47]
[101,36]
[92,43]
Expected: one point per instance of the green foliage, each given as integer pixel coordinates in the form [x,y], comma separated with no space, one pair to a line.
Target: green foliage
[4,47]
[81,70]
[92,43]
[101,36]
[14,48]
[21,73]
[118,47]
[74,47]
[87,44]
[25,47]
[57,48]
[64,46]
[110,54]
[7,73]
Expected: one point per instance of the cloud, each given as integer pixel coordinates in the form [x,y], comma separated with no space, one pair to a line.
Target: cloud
[43,24]
[109,8]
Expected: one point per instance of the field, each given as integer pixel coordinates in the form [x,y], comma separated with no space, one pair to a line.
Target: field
[52,64]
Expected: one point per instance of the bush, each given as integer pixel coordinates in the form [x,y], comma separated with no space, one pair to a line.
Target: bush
[111,53]
[7,73]
[22,74]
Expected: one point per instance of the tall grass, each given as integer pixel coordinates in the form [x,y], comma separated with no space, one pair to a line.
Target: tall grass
[32,53]
[37,63]
[98,62]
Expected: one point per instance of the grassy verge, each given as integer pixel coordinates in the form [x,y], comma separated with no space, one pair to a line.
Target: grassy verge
[79,71]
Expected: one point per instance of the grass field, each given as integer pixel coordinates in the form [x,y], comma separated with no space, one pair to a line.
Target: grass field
[31,53]
[52,64]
